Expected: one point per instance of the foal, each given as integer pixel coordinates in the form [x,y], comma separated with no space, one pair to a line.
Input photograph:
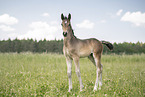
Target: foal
[74,48]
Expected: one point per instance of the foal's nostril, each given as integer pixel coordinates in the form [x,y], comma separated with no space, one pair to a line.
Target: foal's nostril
[64,34]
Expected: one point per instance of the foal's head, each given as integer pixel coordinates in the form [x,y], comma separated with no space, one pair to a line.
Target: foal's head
[66,26]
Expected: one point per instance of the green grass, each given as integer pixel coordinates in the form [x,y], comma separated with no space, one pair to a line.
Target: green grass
[28,74]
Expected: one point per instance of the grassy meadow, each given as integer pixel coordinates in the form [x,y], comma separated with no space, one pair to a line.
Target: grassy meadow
[28,74]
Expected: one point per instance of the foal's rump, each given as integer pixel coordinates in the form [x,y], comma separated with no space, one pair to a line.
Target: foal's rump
[93,45]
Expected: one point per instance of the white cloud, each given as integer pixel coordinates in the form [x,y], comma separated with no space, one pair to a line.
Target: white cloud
[136,18]
[54,23]
[85,24]
[8,20]
[103,21]
[45,14]
[119,12]
[40,30]
[6,28]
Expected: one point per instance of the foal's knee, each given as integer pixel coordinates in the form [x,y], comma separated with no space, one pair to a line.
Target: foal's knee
[102,66]
[69,74]
[78,73]
[99,70]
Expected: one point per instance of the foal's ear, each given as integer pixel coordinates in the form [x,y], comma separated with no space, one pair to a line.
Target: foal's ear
[62,16]
[69,16]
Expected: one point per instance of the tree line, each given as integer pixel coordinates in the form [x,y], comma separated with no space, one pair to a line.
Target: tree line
[56,46]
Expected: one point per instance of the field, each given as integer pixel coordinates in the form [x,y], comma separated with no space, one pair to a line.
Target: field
[28,74]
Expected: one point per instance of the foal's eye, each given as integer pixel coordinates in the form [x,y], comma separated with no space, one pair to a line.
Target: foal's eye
[61,24]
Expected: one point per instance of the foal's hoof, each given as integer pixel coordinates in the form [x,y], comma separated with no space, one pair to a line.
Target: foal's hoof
[69,90]
[99,88]
[81,88]
[95,89]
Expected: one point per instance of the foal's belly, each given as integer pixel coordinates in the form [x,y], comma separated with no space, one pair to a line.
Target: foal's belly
[85,53]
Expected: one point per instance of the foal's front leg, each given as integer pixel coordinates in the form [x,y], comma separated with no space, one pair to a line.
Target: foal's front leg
[69,66]
[77,68]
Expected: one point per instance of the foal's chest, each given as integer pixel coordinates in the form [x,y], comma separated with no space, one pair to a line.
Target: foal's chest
[69,51]
[66,51]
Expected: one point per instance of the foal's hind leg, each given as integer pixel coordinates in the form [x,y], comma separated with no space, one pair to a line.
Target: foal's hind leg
[92,59]
[97,58]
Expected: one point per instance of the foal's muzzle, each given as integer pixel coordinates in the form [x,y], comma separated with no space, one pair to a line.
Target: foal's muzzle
[64,34]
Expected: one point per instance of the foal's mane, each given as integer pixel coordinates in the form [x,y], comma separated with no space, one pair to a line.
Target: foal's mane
[73,33]
[65,17]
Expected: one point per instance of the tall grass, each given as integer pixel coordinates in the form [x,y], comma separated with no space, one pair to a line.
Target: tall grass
[28,74]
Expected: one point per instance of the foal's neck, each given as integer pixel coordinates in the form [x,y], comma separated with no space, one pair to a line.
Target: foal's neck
[71,37]
[71,34]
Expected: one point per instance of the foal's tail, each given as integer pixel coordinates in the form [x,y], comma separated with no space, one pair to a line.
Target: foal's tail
[108,44]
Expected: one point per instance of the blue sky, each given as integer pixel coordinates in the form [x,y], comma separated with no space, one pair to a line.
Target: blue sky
[110,20]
